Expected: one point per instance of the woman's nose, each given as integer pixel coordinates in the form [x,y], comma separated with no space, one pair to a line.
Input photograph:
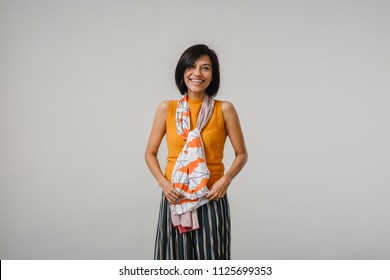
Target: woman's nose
[197,71]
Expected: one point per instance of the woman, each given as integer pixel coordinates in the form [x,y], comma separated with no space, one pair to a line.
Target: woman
[194,219]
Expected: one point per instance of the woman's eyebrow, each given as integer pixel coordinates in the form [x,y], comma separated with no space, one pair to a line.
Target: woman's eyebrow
[204,64]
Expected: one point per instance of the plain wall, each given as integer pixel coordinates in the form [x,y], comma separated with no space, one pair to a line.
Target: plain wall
[80,82]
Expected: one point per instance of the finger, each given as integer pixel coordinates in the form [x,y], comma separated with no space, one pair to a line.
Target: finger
[178,195]
[211,195]
[171,197]
[216,196]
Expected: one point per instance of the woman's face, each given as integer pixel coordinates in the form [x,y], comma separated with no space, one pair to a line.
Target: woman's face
[198,76]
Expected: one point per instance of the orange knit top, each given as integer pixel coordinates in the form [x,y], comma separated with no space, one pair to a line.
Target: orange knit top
[213,136]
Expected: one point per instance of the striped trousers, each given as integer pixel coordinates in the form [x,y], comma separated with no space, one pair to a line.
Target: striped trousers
[210,242]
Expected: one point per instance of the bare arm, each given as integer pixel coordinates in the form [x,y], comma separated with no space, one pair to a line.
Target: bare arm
[233,129]
[156,135]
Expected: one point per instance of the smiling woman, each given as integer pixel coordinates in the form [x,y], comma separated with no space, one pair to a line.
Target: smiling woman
[194,218]
[198,76]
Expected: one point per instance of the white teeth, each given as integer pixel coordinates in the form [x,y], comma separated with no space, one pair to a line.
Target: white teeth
[197,81]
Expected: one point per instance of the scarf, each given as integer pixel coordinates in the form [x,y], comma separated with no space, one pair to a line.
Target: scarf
[190,174]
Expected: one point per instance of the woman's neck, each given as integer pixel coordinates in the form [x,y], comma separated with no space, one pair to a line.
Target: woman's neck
[196,96]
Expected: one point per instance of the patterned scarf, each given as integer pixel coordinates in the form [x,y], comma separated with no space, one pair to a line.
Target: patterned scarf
[190,174]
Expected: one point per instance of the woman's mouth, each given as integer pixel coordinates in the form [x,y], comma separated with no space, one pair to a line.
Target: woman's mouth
[196,81]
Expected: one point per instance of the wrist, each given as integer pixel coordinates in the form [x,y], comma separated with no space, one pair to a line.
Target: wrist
[228,178]
[161,181]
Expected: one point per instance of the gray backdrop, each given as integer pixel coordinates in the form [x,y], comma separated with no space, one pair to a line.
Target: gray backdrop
[81,80]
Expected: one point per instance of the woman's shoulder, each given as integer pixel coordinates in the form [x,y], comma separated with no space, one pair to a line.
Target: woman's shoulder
[164,104]
[226,105]
[166,107]
[228,110]
[163,107]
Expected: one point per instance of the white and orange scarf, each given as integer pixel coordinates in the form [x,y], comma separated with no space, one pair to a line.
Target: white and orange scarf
[190,174]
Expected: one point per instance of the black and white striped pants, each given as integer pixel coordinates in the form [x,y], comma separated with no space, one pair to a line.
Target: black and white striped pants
[210,242]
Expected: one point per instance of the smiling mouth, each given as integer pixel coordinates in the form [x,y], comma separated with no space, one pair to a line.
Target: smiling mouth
[196,81]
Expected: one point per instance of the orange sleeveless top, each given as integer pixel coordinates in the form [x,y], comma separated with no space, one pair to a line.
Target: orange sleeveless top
[213,135]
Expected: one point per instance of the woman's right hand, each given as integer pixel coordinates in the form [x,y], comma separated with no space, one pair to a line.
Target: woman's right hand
[170,193]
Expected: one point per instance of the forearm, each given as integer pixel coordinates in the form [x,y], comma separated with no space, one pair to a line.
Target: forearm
[238,163]
[154,167]
[218,189]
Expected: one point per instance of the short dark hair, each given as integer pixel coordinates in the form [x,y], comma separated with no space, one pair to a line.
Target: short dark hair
[188,58]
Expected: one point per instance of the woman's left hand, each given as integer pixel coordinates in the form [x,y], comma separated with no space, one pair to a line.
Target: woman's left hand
[218,189]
